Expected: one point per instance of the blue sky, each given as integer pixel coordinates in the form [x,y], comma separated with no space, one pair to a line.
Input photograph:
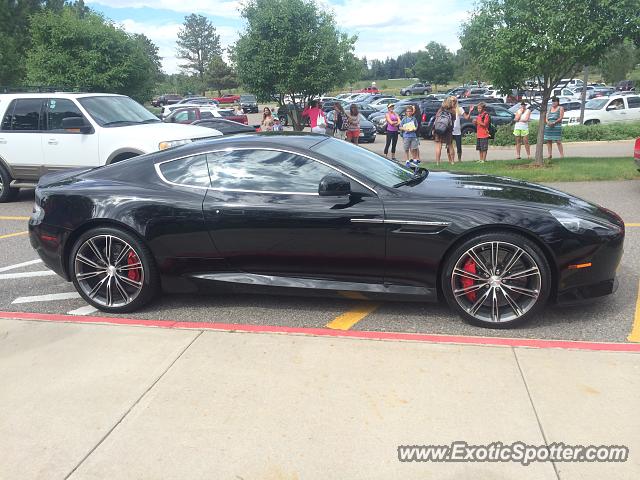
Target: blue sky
[383,31]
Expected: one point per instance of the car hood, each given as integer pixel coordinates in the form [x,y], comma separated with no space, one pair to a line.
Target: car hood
[503,190]
[162,132]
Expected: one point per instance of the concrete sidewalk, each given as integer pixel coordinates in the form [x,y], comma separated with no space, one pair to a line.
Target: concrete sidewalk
[619,148]
[116,402]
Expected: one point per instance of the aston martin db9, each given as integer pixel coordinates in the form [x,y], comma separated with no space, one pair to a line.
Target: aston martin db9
[312,214]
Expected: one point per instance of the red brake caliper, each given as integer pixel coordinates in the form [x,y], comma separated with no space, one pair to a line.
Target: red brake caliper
[134,274]
[469,266]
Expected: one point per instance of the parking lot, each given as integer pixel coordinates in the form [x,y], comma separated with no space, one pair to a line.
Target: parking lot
[26,286]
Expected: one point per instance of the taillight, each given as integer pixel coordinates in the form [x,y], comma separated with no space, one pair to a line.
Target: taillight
[424,117]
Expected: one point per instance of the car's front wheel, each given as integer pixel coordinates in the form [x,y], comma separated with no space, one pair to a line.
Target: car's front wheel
[496,280]
[112,270]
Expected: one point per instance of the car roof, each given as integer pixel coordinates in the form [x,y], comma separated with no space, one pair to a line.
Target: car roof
[58,95]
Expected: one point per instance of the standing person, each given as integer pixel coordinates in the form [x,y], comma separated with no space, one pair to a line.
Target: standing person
[409,128]
[317,119]
[482,122]
[443,129]
[237,110]
[393,123]
[267,120]
[456,133]
[339,121]
[521,129]
[353,124]
[553,127]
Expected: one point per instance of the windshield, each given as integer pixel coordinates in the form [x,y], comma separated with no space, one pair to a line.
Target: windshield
[368,164]
[111,111]
[247,98]
[596,103]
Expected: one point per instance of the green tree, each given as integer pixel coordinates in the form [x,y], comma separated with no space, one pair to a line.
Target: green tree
[616,64]
[293,48]
[87,52]
[197,43]
[219,75]
[513,41]
[435,64]
[15,38]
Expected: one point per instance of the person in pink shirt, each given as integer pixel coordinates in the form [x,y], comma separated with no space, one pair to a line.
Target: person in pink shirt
[317,118]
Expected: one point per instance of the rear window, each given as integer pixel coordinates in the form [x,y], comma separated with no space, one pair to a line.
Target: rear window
[634,102]
[24,115]
[247,98]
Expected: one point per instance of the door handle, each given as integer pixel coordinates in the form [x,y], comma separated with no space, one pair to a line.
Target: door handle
[232,212]
[52,141]
[3,141]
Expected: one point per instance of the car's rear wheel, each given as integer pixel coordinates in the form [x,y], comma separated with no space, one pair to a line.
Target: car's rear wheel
[496,280]
[112,270]
[7,194]
[592,122]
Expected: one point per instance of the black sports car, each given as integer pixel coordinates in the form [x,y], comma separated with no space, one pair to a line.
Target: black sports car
[301,212]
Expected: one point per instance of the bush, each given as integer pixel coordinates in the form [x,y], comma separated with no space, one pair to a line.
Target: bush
[577,133]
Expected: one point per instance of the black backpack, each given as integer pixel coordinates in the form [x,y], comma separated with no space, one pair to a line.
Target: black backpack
[443,123]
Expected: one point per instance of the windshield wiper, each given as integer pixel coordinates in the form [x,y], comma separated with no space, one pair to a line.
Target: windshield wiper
[415,179]
[119,122]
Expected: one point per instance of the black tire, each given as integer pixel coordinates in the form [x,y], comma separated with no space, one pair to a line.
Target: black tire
[468,131]
[147,274]
[592,122]
[520,298]
[7,194]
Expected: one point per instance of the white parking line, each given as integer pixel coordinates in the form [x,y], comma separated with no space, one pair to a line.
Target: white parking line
[19,265]
[47,298]
[86,310]
[39,273]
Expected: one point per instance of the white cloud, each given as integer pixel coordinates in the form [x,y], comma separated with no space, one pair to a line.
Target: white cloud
[165,35]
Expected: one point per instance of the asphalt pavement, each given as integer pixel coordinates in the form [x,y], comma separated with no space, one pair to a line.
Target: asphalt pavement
[25,285]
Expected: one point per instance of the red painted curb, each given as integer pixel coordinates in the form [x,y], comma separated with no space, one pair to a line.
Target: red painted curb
[326,332]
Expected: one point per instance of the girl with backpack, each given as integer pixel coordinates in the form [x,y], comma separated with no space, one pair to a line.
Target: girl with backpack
[445,118]
[339,121]
[409,129]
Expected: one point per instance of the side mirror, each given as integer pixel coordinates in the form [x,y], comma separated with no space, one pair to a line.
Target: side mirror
[76,123]
[334,186]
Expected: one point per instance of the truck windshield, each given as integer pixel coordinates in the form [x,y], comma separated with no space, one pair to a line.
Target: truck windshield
[112,111]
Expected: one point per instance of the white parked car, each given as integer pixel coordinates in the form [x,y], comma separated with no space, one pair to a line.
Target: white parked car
[617,108]
[381,103]
[47,132]
[205,102]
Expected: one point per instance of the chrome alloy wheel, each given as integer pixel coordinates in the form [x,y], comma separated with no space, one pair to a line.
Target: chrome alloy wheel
[496,282]
[109,271]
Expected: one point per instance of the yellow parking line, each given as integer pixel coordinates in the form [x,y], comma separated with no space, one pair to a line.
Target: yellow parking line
[9,235]
[13,218]
[632,224]
[353,316]
[634,336]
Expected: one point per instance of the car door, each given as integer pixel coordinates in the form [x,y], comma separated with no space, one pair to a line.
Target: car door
[21,138]
[615,111]
[634,108]
[67,148]
[266,217]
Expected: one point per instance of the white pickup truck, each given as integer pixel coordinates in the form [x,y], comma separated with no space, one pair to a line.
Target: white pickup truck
[617,108]
[48,132]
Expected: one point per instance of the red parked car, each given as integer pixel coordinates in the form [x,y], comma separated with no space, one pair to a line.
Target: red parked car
[370,90]
[636,153]
[228,98]
[191,114]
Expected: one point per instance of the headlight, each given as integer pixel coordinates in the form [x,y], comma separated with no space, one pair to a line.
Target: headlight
[173,143]
[577,224]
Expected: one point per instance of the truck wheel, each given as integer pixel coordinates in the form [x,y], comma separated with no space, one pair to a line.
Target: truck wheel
[7,194]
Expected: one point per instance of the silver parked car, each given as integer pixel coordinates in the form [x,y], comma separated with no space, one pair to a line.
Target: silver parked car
[416,89]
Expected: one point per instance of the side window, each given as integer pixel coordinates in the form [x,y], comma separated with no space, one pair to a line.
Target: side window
[8,116]
[26,115]
[59,108]
[266,171]
[190,171]
[206,114]
[181,117]
[634,102]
